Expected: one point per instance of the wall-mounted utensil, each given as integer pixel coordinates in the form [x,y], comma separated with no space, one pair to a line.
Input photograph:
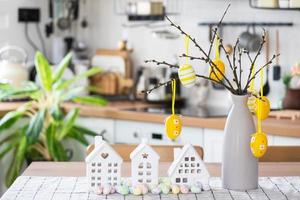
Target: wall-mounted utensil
[250,41]
[277,68]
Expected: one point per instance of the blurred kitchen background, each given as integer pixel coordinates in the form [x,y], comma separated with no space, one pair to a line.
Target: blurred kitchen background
[119,35]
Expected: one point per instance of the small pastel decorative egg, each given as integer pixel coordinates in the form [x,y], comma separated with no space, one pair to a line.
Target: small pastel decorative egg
[173,126]
[106,189]
[164,188]
[259,144]
[175,189]
[217,75]
[137,191]
[196,189]
[112,189]
[263,108]
[198,184]
[123,189]
[144,188]
[166,181]
[156,190]
[98,190]
[187,75]
[131,188]
[184,189]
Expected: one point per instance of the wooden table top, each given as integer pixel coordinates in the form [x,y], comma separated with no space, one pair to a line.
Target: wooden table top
[78,169]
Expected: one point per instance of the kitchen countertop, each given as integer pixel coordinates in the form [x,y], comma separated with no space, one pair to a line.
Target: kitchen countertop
[117,110]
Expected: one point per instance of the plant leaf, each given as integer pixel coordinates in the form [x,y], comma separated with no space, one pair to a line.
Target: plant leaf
[62,66]
[68,123]
[50,136]
[17,162]
[91,100]
[6,150]
[56,112]
[65,84]
[72,93]
[35,127]
[44,71]
[10,119]
[10,138]
[84,130]
[78,136]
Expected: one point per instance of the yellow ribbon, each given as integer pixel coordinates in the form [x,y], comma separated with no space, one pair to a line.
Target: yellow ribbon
[186,45]
[173,95]
[253,80]
[217,50]
[259,111]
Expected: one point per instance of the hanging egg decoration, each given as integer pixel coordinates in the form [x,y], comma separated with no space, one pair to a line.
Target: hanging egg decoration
[264,105]
[251,103]
[173,126]
[217,74]
[187,75]
[259,144]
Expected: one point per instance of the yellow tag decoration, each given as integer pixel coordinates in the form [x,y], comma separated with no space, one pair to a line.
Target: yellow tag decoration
[186,72]
[217,75]
[173,123]
[259,140]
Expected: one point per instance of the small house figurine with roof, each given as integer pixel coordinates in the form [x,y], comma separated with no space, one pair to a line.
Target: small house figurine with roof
[103,165]
[187,167]
[144,164]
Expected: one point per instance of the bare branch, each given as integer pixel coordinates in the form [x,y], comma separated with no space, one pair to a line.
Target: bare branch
[216,30]
[192,57]
[255,58]
[162,63]
[265,65]
[158,86]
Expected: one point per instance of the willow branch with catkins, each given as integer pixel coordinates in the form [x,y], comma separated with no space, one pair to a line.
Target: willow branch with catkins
[235,63]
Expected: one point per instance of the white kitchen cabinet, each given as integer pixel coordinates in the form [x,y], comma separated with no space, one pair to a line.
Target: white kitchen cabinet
[132,132]
[98,125]
[286,141]
[213,145]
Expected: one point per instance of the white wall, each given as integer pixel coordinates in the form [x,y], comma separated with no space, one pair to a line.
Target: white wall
[106,31]
[12,32]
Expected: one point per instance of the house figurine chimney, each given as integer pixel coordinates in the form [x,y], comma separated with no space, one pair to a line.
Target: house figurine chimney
[98,140]
[176,152]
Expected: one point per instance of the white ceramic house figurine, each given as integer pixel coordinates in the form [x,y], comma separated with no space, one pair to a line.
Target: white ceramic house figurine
[144,164]
[103,165]
[187,167]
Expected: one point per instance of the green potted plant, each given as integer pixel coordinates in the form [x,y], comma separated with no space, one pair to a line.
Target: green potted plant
[292,83]
[42,136]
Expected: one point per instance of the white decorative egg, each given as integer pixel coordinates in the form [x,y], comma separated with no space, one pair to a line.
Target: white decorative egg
[187,75]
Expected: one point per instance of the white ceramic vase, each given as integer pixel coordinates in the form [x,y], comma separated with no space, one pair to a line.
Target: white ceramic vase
[239,166]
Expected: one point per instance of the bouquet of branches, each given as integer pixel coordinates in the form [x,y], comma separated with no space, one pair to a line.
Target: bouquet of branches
[217,74]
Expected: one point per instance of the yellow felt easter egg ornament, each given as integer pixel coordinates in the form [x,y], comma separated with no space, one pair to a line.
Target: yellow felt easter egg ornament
[264,104]
[217,69]
[173,123]
[173,126]
[259,144]
[187,75]
[217,74]
[186,72]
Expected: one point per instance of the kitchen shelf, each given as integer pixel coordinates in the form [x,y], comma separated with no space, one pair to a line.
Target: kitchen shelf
[251,4]
[272,24]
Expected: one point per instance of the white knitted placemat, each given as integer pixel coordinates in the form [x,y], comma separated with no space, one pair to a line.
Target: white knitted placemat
[71,188]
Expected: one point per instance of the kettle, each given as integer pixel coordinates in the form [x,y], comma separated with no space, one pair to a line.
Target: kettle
[13,66]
